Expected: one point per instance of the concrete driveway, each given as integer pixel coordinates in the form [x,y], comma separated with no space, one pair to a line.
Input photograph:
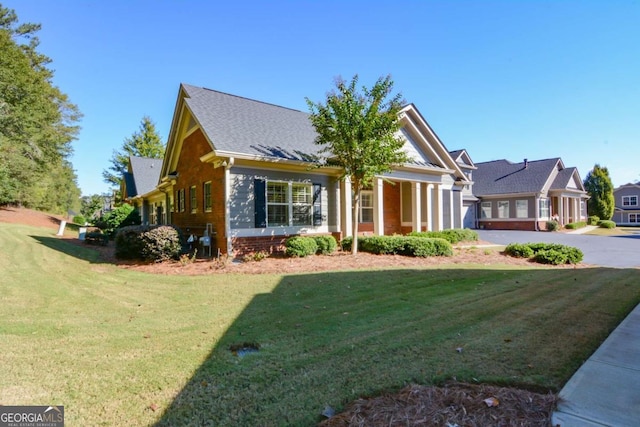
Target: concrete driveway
[605,251]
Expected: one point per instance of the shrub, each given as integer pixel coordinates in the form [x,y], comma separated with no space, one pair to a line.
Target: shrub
[122,216]
[149,243]
[575,225]
[300,246]
[96,238]
[453,236]
[593,220]
[546,253]
[79,219]
[425,247]
[519,250]
[161,243]
[553,225]
[129,243]
[326,244]
[346,244]
[604,223]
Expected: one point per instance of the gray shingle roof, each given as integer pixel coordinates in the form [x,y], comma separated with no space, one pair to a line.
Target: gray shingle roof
[505,177]
[240,125]
[146,174]
[562,179]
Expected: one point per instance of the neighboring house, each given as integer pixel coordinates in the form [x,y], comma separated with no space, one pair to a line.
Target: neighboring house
[627,205]
[524,196]
[246,169]
[141,178]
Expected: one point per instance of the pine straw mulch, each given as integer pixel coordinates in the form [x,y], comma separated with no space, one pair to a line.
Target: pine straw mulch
[455,404]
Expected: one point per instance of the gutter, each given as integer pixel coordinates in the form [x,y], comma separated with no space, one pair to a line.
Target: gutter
[227,202]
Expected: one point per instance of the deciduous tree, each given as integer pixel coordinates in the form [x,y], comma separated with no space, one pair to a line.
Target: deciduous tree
[600,188]
[358,133]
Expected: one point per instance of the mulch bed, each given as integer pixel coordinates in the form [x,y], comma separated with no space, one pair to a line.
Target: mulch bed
[452,405]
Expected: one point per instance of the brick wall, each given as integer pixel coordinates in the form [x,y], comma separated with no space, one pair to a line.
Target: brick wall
[392,220]
[193,172]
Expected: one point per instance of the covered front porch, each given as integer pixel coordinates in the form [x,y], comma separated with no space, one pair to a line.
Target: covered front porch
[568,207]
[400,206]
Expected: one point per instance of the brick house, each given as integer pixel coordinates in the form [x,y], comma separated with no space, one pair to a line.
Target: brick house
[627,205]
[244,169]
[524,196]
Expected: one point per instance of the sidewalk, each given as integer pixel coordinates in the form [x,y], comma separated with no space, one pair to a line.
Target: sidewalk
[582,230]
[605,390]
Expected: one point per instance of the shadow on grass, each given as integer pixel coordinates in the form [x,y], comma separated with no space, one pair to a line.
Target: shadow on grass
[327,339]
[86,253]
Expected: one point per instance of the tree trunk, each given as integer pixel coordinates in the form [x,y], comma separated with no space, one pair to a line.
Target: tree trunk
[355,217]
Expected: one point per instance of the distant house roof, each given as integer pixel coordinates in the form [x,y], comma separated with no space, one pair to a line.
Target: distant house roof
[245,126]
[505,177]
[143,175]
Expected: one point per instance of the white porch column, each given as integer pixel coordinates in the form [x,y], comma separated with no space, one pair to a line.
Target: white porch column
[347,207]
[428,203]
[566,210]
[451,210]
[560,209]
[416,205]
[576,210]
[439,214]
[461,210]
[378,206]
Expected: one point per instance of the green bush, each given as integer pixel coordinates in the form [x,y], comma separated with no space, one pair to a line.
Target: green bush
[96,238]
[161,243]
[546,253]
[405,245]
[149,243]
[519,250]
[300,246]
[552,225]
[79,219]
[346,244]
[128,242]
[593,220]
[453,236]
[426,247]
[575,225]
[604,223]
[122,216]
[326,244]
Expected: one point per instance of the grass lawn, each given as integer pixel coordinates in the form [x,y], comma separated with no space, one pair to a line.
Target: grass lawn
[116,347]
[618,231]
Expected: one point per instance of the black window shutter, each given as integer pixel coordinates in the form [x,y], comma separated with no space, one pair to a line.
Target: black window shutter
[260,200]
[317,204]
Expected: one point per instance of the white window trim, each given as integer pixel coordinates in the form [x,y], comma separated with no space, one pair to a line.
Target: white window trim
[547,208]
[290,204]
[500,216]
[362,207]
[483,215]
[204,197]
[193,195]
[526,210]
[629,200]
[637,218]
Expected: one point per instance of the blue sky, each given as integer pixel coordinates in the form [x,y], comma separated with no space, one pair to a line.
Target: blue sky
[502,79]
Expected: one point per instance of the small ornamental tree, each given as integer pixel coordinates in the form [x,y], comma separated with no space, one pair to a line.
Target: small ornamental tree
[600,188]
[358,133]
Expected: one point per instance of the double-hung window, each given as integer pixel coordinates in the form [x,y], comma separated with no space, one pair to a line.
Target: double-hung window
[634,218]
[629,200]
[287,204]
[180,200]
[277,203]
[366,206]
[522,209]
[485,211]
[193,200]
[207,196]
[301,204]
[503,209]
[544,208]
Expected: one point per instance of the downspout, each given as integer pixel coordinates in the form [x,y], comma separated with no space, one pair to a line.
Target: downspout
[537,212]
[227,203]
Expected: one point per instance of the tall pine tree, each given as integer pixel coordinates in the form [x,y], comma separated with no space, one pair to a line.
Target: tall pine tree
[37,124]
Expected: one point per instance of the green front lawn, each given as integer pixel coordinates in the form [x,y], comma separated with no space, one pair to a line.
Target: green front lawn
[118,347]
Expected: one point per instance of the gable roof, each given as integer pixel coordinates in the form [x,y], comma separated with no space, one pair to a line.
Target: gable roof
[504,177]
[627,185]
[143,175]
[462,158]
[237,125]
[245,128]
[564,180]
